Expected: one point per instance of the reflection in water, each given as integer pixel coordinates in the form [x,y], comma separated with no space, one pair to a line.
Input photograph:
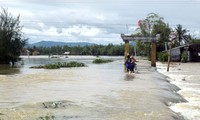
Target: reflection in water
[7,70]
[95,92]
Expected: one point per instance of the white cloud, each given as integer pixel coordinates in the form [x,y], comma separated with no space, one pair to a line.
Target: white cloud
[100,21]
[31,31]
[72,33]
[100,17]
[90,31]
[196,34]
[41,24]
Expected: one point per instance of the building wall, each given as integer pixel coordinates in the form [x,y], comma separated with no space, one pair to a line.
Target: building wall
[175,54]
[194,50]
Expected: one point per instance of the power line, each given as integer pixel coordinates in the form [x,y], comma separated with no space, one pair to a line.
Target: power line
[99,25]
[131,2]
[112,24]
[57,22]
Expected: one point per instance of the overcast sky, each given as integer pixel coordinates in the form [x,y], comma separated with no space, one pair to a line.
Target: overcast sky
[97,21]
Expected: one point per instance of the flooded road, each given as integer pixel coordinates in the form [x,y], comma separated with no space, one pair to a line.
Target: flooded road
[95,92]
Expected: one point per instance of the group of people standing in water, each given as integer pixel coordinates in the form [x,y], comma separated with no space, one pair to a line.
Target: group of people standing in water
[130,64]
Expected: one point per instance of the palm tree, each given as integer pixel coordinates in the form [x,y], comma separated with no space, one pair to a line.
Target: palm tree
[182,38]
[181,35]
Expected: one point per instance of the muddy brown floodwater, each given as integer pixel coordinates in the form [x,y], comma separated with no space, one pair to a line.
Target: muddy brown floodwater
[95,92]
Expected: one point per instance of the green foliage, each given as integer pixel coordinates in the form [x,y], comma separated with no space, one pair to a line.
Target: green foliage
[11,38]
[147,25]
[37,67]
[184,57]
[52,66]
[73,64]
[164,30]
[162,56]
[47,117]
[99,61]
[196,41]
[181,34]
[59,65]
[143,49]
[152,25]
[109,49]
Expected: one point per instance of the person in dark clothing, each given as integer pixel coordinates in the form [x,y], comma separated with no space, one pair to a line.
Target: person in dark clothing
[133,62]
[128,63]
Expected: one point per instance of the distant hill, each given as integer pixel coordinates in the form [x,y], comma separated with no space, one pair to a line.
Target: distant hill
[53,43]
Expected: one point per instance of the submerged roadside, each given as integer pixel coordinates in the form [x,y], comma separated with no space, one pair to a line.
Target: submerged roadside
[95,92]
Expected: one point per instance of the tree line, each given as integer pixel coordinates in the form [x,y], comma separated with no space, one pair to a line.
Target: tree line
[12,40]
[110,49]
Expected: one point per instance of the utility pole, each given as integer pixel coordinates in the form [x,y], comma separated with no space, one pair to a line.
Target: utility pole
[153,53]
[169,53]
[127,28]
[135,50]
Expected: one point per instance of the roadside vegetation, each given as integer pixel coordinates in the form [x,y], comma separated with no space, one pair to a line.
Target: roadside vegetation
[60,65]
[12,40]
[162,56]
[184,57]
[100,61]
[47,117]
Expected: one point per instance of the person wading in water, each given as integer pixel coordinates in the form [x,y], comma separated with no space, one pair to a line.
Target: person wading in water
[128,64]
[133,62]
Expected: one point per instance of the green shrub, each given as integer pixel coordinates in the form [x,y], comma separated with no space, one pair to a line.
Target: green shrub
[162,56]
[184,57]
[37,67]
[47,117]
[73,64]
[99,61]
[52,66]
[59,65]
